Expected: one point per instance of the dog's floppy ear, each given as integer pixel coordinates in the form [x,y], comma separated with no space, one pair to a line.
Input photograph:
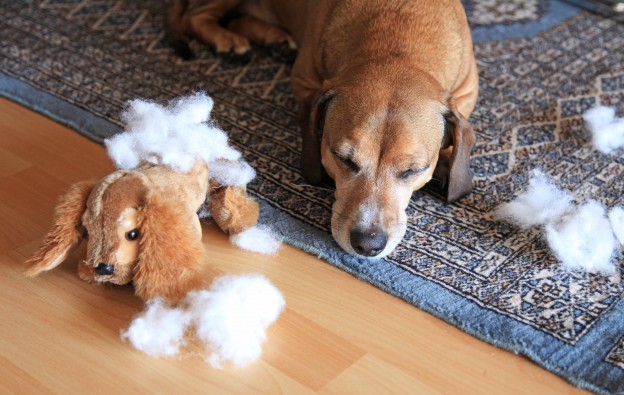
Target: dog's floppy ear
[170,251]
[66,231]
[312,119]
[453,167]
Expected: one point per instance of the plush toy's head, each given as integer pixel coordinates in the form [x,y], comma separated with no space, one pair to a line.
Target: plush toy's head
[111,223]
[142,227]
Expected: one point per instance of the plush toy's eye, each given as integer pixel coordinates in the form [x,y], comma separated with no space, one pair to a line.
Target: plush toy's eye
[133,234]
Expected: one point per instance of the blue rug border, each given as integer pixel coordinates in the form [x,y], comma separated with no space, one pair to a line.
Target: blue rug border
[77,118]
[383,275]
[558,12]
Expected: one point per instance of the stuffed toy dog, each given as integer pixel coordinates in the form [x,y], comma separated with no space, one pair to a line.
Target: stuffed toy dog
[142,226]
[141,222]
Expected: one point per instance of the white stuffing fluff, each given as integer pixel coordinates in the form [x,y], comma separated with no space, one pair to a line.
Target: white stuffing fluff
[607,130]
[541,203]
[231,173]
[616,216]
[177,135]
[258,239]
[230,318]
[159,330]
[581,237]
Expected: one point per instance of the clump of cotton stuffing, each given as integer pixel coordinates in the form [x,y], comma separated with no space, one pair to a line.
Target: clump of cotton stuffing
[582,237]
[541,203]
[607,130]
[159,330]
[230,319]
[233,174]
[259,239]
[177,135]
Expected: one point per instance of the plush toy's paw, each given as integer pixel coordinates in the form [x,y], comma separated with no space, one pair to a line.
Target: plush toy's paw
[86,272]
[233,210]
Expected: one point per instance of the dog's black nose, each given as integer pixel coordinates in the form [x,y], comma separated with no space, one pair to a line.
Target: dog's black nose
[368,242]
[104,269]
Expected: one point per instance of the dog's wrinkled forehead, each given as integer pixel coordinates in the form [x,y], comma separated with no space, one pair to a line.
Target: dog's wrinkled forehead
[391,128]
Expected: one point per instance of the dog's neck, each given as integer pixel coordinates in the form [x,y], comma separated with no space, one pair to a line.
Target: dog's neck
[388,77]
[385,52]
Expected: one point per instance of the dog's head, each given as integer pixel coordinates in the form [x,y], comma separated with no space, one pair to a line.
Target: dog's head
[133,234]
[379,145]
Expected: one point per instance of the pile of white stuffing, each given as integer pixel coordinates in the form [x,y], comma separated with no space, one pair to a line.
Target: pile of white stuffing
[179,134]
[230,319]
[581,236]
[607,130]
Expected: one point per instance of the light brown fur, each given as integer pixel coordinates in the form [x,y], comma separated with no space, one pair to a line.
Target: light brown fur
[384,90]
[165,259]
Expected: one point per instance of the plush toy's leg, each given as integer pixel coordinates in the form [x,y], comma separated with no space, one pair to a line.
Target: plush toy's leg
[232,209]
[86,272]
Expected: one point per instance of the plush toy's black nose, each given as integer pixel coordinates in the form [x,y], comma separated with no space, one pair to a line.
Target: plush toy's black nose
[368,242]
[104,269]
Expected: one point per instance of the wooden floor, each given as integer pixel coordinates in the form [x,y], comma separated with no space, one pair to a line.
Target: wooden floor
[338,335]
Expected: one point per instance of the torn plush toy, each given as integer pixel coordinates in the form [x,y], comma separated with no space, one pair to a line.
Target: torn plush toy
[142,221]
[581,236]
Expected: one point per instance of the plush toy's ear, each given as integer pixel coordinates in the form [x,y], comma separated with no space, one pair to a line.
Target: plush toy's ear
[312,119]
[170,251]
[232,210]
[66,231]
[453,167]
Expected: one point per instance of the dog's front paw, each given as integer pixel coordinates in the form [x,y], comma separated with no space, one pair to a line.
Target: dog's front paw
[231,43]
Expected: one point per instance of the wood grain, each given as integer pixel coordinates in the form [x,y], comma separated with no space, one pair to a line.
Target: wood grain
[338,335]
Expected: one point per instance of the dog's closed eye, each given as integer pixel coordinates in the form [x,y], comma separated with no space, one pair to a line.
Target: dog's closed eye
[347,161]
[413,171]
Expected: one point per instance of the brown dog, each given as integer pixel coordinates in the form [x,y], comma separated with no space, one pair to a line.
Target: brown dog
[384,89]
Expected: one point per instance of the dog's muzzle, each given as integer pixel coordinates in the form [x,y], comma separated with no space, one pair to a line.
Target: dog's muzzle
[104,269]
[368,242]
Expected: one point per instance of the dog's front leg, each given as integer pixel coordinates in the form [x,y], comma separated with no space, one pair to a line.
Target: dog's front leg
[204,25]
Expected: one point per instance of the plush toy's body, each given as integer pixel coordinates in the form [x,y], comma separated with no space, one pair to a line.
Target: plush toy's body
[142,226]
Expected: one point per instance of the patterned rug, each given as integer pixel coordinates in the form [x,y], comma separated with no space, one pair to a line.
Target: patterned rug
[542,63]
